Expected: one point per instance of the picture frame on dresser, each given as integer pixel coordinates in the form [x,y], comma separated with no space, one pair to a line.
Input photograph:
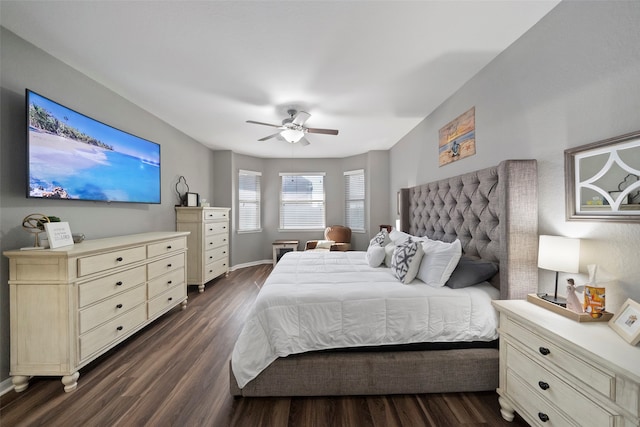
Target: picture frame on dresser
[627,322]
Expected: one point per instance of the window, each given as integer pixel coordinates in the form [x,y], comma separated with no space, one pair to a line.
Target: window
[302,201]
[249,200]
[354,199]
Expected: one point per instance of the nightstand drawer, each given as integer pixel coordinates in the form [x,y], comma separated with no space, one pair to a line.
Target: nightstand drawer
[559,393]
[537,409]
[544,352]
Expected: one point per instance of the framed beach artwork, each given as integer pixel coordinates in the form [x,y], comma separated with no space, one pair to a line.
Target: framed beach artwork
[627,322]
[457,139]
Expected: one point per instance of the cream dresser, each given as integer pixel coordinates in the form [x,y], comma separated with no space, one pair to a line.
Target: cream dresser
[558,372]
[208,243]
[70,305]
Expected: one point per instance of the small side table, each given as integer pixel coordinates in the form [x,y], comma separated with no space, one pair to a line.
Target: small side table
[281,247]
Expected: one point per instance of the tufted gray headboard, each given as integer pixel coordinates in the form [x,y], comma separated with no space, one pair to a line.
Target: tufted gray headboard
[494,213]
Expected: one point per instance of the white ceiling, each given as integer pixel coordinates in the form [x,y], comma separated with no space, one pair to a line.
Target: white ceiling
[372,69]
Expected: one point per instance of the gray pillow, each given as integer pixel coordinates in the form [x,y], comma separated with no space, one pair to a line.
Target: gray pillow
[471,271]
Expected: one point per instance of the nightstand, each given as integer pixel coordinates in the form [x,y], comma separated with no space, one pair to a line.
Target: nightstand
[555,371]
[281,247]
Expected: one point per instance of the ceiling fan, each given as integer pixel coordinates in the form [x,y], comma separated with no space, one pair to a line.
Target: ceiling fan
[293,129]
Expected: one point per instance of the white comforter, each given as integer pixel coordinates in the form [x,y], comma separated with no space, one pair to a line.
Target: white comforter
[322,300]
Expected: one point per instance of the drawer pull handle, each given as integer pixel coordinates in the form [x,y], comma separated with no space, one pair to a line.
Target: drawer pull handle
[120,328]
[169,282]
[169,265]
[544,351]
[211,257]
[224,252]
[119,259]
[211,229]
[543,417]
[543,385]
[119,306]
[118,283]
[169,247]
[170,299]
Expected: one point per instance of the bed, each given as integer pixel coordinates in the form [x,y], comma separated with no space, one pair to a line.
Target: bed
[492,212]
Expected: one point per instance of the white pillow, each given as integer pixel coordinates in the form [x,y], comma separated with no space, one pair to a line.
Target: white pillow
[439,261]
[324,244]
[398,237]
[375,255]
[388,253]
[406,260]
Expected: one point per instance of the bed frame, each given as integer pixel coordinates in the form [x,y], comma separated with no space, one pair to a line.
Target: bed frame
[494,213]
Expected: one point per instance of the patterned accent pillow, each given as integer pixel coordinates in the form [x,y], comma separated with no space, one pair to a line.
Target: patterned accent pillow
[406,260]
[380,239]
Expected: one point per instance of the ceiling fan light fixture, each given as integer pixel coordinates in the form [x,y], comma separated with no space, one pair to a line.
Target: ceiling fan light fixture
[292,135]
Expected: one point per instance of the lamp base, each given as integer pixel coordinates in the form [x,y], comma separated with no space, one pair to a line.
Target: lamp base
[562,302]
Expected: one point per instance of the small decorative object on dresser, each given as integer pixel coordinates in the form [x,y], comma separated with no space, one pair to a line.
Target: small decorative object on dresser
[208,243]
[556,372]
[627,322]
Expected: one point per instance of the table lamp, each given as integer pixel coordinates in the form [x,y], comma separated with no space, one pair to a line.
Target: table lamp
[558,253]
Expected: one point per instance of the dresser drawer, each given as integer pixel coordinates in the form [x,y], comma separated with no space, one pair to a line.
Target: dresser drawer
[216,254]
[215,241]
[544,352]
[168,246]
[165,282]
[536,408]
[95,263]
[111,331]
[211,228]
[558,392]
[109,308]
[165,265]
[215,269]
[104,287]
[211,214]
[166,300]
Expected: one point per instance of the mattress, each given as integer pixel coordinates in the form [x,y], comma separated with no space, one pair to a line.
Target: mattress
[326,300]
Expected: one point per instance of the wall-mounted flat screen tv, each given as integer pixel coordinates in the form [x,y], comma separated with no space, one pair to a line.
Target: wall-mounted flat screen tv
[72,156]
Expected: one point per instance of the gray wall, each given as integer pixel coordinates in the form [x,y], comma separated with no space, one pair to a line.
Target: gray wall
[248,248]
[25,66]
[574,78]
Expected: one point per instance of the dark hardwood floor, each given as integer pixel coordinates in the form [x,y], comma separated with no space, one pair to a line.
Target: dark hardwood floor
[175,373]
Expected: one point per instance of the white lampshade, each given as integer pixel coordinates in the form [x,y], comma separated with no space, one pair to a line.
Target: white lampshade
[292,135]
[559,253]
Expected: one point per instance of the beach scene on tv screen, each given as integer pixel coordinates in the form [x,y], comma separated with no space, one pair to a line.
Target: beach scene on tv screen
[72,156]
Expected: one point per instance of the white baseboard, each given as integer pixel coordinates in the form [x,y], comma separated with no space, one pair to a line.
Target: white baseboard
[251,264]
[6,386]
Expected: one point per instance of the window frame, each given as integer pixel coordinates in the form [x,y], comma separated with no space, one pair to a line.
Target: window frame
[258,202]
[282,175]
[363,199]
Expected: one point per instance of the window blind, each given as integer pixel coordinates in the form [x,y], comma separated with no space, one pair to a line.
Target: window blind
[249,200]
[302,201]
[354,192]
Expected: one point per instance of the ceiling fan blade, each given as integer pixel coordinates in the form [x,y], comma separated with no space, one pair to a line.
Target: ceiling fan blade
[323,131]
[269,137]
[261,123]
[300,118]
[304,141]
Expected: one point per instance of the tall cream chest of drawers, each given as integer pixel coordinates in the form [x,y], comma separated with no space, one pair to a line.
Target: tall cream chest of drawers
[555,371]
[208,243]
[71,304]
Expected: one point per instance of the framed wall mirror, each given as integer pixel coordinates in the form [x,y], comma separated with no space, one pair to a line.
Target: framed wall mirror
[602,180]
